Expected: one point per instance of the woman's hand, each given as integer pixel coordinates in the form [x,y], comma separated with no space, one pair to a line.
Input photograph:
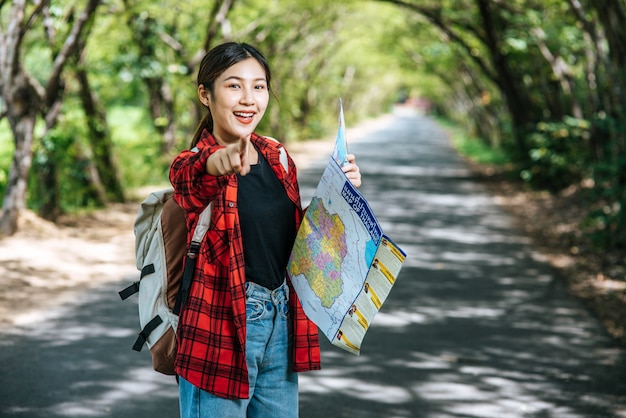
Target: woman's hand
[352,170]
[234,158]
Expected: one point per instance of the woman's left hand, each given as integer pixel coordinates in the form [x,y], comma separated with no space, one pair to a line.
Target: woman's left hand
[352,170]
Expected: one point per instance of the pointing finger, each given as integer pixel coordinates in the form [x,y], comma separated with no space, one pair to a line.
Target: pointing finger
[244,155]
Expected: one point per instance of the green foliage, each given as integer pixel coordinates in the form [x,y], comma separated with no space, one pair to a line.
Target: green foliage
[320,52]
[6,154]
[58,182]
[558,154]
[606,224]
[136,146]
[475,149]
[512,81]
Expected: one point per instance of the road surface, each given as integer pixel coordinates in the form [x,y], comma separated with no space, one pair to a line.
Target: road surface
[478,324]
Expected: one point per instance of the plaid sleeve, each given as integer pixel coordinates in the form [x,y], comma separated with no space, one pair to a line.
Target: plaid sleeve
[194,189]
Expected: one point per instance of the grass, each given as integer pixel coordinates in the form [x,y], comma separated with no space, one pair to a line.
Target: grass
[473,148]
[137,147]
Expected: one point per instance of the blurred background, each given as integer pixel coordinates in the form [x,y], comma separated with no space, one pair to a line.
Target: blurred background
[97,96]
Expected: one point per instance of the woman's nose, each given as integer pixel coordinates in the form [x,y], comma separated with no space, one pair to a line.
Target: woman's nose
[247,97]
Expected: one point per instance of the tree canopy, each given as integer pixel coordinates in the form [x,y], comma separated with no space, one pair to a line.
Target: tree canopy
[97,96]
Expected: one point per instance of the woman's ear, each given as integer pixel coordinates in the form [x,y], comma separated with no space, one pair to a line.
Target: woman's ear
[204,95]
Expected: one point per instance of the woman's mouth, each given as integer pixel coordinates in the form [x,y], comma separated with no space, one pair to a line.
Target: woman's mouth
[244,117]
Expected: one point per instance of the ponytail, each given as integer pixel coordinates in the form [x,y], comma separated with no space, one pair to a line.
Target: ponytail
[205,123]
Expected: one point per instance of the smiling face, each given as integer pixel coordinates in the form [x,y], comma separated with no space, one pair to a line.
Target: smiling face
[238,101]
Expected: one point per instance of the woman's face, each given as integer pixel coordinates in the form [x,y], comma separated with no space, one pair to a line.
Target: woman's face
[238,102]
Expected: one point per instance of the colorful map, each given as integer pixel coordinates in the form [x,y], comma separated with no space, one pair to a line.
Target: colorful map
[334,249]
[319,255]
[341,266]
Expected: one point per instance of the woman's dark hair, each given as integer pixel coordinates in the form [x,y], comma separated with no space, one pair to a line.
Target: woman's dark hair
[214,63]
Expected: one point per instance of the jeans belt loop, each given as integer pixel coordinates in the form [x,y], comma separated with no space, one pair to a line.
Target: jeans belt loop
[274,296]
[276,293]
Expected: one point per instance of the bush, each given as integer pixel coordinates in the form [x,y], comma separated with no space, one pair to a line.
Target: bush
[558,154]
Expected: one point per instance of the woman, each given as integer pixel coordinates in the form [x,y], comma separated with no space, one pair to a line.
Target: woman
[242,334]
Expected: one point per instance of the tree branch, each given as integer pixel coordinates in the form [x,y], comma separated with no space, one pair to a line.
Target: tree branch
[48,25]
[435,18]
[33,16]
[9,57]
[68,47]
[217,19]
[172,42]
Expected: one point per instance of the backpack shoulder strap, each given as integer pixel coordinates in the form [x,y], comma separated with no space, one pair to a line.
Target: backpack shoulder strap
[203,224]
[283,154]
[204,221]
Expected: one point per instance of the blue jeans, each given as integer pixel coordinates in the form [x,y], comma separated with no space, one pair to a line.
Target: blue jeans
[273,384]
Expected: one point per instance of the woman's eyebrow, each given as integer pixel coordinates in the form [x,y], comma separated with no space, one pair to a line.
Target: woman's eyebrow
[234,77]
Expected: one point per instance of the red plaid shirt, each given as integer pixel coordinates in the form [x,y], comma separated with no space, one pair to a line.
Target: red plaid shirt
[212,327]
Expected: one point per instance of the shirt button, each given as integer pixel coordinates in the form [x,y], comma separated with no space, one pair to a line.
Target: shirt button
[231,205]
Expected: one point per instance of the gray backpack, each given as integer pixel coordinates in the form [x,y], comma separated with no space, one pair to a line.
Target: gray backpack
[161,251]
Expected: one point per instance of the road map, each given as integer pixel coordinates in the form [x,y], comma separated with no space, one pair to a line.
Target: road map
[342,266]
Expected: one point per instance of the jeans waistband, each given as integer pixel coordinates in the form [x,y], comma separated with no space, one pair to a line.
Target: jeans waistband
[280,294]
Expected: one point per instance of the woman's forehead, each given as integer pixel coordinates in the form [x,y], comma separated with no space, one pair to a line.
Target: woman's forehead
[248,69]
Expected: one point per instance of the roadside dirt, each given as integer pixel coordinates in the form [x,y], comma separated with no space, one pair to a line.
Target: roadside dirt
[46,264]
[553,223]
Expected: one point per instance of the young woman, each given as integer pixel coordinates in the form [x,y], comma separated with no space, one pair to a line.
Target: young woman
[242,334]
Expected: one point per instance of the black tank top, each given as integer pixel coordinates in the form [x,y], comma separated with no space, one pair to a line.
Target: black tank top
[267,219]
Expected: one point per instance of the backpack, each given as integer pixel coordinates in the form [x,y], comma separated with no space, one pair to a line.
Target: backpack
[161,249]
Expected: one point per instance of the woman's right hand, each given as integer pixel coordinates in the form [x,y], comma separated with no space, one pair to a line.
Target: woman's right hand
[232,159]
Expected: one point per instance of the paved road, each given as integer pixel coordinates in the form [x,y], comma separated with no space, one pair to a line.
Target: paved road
[478,324]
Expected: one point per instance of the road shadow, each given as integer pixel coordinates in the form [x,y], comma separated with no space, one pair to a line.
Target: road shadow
[478,323]
[77,361]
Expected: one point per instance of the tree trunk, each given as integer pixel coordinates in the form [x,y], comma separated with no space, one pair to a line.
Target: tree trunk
[106,185]
[47,186]
[22,116]
[510,84]
[162,111]
[26,99]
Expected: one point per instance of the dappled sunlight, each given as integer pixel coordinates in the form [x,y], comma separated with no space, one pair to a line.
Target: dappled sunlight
[464,236]
[95,373]
[497,399]
[358,389]
[477,323]
[475,257]
[420,171]
[45,278]
[100,397]
[398,319]
[135,385]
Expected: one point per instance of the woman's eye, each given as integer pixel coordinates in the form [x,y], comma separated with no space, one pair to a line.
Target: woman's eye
[233,86]
[260,87]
